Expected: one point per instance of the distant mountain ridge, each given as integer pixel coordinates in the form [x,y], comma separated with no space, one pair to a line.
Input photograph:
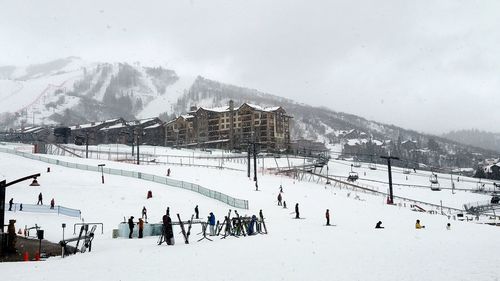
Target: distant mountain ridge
[474,137]
[71,91]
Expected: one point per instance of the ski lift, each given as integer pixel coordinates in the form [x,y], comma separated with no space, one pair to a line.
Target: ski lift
[353,176]
[433,179]
[372,166]
[434,182]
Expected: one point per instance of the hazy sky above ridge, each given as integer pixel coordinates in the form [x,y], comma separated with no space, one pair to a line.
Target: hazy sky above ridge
[431,66]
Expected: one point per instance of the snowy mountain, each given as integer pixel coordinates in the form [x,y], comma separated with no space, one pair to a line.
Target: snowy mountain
[69,91]
[72,91]
[477,138]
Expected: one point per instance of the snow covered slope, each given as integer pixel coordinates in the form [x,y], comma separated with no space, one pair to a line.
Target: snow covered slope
[294,249]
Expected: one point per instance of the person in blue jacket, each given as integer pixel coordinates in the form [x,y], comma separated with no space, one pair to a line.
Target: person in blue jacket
[211,222]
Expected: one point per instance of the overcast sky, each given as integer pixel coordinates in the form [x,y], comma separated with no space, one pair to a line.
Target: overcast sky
[432,66]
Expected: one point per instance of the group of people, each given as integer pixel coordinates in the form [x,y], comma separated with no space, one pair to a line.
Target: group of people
[39,202]
[418,225]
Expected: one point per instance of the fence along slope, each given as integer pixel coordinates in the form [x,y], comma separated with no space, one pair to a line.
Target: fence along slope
[231,201]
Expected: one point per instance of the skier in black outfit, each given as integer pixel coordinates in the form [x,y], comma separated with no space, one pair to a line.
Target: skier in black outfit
[40,199]
[297,215]
[131,226]
[379,225]
[327,215]
[196,212]
[11,201]
[169,233]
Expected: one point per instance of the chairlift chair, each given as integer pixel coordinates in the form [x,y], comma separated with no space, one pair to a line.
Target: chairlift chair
[433,179]
[353,176]
[372,166]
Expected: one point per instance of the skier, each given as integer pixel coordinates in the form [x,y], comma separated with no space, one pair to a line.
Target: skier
[131,226]
[52,203]
[149,195]
[169,233]
[165,223]
[211,222]
[11,201]
[227,229]
[252,225]
[279,199]
[144,213]
[418,226]
[327,215]
[21,207]
[448,226]
[297,215]
[141,227]
[168,211]
[284,204]
[261,215]
[40,202]
[379,225]
[196,212]
[281,189]
[168,172]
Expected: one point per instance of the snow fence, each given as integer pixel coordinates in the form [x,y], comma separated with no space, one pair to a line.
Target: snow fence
[32,208]
[231,201]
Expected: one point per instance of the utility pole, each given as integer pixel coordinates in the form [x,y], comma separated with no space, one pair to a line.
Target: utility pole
[138,163]
[391,199]
[86,144]
[248,160]
[255,166]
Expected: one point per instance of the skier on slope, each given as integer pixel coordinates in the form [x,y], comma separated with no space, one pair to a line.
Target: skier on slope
[418,225]
[211,222]
[327,215]
[144,213]
[141,227]
[196,212]
[297,214]
[40,199]
[279,199]
[379,225]
[131,226]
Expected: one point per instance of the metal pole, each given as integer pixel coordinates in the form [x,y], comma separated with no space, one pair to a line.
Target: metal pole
[391,198]
[86,144]
[138,163]
[2,206]
[255,166]
[248,160]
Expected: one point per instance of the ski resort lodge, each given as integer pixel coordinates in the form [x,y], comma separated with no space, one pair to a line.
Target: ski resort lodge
[231,128]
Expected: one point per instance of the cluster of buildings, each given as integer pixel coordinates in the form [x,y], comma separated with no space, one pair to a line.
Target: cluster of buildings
[227,127]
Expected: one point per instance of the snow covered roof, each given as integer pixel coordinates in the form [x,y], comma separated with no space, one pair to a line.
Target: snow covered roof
[377,142]
[153,126]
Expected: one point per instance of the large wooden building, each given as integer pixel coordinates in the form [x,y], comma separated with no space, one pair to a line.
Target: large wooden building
[231,128]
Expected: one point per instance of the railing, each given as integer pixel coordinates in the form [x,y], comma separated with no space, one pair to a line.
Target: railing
[234,202]
[32,208]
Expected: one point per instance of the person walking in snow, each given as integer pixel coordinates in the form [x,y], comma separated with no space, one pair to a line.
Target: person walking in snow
[284,204]
[141,227]
[281,189]
[40,198]
[150,194]
[11,202]
[52,203]
[196,212]
[168,172]
[327,215]
[297,214]
[379,225]
[211,223]
[279,199]
[130,226]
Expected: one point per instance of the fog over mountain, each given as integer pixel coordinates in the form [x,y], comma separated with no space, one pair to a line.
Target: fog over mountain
[428,66]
